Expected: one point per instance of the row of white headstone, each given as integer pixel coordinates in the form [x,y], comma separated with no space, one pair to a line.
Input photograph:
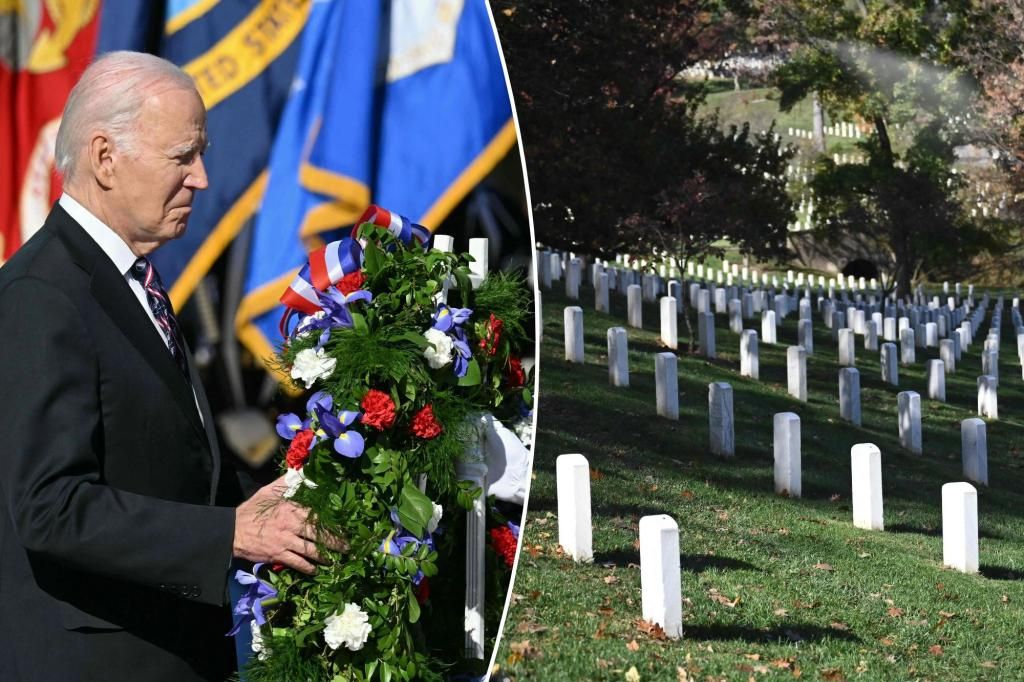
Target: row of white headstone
[660,574]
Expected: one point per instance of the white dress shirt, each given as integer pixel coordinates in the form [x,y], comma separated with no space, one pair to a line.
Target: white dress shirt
[122,256]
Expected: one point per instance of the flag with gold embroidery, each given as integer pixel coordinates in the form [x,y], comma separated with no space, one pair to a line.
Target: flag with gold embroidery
[401,103]
[242,55]
[44,47]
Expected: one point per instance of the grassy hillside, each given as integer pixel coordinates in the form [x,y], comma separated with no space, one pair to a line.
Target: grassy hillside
[773,587]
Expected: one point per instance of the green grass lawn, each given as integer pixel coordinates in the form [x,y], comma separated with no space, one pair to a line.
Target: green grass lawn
[773,587]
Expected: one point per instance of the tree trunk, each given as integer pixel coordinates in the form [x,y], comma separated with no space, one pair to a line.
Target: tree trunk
[681,266]
[819,123]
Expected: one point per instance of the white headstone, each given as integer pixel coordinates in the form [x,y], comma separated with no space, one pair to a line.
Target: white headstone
[988,400]
[573,488]
[974,445]
[736,316]
[618,357]
[846,348]
[796,372]
[907,346]
[910,421]
[720,419]
[960,527]
[573,318]
[660,588]
[866,474]
[601,304]
[849,395]
[634,306]
[666,384]
[768,328]
[931,335]
[947,355]
[669,322]
[937,380]
[787,454]
[749,365]
[890,365]
[706,334]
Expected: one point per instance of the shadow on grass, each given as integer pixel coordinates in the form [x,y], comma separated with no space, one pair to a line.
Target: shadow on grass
[936,531]
[1001,573]
[690,563]
[791,632]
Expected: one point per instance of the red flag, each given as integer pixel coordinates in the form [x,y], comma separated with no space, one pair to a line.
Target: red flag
[51,45]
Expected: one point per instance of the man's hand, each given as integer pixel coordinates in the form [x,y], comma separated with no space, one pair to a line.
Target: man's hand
[271,529]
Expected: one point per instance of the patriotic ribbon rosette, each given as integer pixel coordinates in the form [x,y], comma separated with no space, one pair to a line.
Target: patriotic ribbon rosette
[401,356]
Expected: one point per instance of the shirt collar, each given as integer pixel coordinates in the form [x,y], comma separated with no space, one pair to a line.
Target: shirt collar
[108,240]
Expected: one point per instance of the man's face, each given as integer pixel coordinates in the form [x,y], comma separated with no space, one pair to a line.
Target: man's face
[155,185]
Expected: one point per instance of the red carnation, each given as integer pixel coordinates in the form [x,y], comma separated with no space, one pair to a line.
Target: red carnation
[353,281]
[492,336]
[423,591]
[424,424]
[515,374]
[504,543]
[298,451]
[378,410]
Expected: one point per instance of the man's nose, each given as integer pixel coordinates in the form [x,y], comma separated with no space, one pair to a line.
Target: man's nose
[196,178]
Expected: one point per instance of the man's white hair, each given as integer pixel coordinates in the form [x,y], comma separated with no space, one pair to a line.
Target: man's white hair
[109,97]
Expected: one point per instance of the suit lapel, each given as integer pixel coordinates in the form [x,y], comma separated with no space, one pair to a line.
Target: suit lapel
[208,424]
[111,291]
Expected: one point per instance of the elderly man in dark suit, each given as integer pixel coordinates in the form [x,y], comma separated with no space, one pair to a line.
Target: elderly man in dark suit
[115,532]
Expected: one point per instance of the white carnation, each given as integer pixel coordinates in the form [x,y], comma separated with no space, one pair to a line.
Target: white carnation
[350,628]
[294,479]
[435,518]
[439,353]
[311,365]
[257,641]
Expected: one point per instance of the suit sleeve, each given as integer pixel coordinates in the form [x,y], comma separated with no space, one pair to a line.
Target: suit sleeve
[51,453]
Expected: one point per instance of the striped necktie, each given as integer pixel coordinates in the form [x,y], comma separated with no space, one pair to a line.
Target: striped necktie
[145,274]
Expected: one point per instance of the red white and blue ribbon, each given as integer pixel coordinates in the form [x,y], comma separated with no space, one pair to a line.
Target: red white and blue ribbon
[330,263]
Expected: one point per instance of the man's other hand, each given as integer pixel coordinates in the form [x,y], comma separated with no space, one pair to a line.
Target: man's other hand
[271,529]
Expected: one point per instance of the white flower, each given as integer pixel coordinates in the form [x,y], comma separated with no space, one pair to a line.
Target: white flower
[311,365]
[257,641]
[294,479]
[350,628]
[435,518]
[302,330]
[439,353]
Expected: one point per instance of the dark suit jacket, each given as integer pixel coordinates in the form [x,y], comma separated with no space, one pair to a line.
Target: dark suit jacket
[113,555]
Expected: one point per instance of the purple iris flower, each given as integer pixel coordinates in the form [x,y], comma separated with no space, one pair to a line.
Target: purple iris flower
[250,605]
[446,317]
[462,355]
[335,304]
[289,424]
[320,399]
[346,443]
[515,529]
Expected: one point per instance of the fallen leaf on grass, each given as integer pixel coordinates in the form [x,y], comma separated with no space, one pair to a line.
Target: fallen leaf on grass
[886,641]
[805,605]
[835,498]
[632,675]
[596,475]
[682,675]
[633,646]
[522,651]
[1005,599]
[823,566]
[782,663]
[833,675]
[530,627]
[601,627]
[752,657]
[894,612]
[781,612]
[988,664]
[722,599]
[652,630]
[687,495]
[935,649]
[835,625]
[610,580]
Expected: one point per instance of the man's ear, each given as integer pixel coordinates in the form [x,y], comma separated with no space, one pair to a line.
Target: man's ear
[101,159]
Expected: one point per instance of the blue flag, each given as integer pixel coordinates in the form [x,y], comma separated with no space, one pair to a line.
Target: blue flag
[403,104]
[242,55]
